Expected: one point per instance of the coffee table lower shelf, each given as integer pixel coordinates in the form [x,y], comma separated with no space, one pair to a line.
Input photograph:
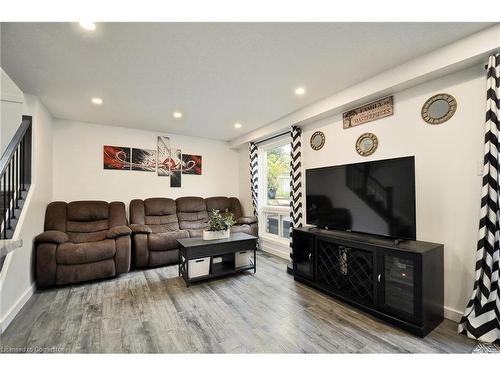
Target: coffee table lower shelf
[216,274]
[193,248]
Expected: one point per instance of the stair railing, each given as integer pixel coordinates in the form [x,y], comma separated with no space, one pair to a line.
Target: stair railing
[15,177]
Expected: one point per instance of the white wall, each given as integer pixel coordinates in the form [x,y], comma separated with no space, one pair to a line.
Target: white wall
[16,278]
[79,173]
[448,179]
[11,109]
[448,183]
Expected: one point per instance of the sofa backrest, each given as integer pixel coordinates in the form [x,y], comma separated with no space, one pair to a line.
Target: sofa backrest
[160,214]
[84,221]
[225,204]
[192,213]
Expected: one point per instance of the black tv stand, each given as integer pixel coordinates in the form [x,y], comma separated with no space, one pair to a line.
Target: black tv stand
[398,281]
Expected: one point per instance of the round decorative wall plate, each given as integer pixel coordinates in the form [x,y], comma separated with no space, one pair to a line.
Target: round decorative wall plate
[439,108]
[317,140]
[366,144]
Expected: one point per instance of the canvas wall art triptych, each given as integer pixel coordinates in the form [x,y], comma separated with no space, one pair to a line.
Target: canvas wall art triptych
[165,161]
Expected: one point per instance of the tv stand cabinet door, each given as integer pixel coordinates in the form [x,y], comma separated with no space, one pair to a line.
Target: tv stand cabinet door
[399,283]
[346,270]
[303,255]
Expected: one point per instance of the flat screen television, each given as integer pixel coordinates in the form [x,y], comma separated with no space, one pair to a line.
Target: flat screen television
[376,197]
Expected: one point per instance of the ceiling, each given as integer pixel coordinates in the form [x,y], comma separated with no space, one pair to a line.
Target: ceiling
[216,74]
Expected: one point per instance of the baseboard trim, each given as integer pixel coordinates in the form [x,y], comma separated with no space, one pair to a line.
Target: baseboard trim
[271,247]
[11,314]
[453,314]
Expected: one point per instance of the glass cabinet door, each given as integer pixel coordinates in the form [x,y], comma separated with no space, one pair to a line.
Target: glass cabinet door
[398,280]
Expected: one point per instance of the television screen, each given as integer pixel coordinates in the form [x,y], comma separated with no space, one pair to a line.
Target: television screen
[376,197]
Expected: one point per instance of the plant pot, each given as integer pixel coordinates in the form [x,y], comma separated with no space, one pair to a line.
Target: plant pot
[215,235]
[271,193]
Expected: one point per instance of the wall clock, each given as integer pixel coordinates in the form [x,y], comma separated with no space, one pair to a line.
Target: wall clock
[317,140]
[439,108]
[366,144]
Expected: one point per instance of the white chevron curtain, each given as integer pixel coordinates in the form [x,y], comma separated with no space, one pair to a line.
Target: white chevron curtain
[295,180]
[481,319]
[254,176]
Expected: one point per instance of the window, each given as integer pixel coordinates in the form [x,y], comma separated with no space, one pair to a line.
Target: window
[274,189]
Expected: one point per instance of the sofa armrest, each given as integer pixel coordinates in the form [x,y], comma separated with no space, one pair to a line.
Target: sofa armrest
[247,220]
[119,231]
[52,236]
[140,228]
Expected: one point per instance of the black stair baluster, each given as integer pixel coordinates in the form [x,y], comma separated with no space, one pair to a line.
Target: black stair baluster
[4,213]
[8,199]
[17,178]
[22,164]
[12,191]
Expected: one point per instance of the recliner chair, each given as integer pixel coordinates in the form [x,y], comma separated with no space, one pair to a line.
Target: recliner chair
[83,240]
[155,230]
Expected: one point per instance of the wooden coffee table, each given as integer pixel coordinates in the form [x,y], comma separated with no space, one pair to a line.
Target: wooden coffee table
[195,248]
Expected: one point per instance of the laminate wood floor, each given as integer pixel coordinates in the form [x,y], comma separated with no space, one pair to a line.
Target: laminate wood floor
[152,311]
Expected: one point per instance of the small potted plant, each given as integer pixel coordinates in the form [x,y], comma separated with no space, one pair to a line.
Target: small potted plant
[219,225]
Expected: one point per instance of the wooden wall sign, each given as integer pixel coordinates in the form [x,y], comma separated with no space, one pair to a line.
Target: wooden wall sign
[368,112]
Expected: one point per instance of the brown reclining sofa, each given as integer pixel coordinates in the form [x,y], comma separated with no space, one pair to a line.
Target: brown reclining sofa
[83,241]
[157,223]
[88,240]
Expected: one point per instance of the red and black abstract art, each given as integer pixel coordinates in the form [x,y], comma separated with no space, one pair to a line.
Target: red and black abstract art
[164,160]
[116,157]
[191,164]
[143,160]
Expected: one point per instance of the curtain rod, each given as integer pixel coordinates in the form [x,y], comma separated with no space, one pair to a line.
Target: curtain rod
[274,136]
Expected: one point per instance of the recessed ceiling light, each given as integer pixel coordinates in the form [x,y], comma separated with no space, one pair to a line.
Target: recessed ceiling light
[300,91]
[90,26]
[96,101]
[237,125]
[177,115]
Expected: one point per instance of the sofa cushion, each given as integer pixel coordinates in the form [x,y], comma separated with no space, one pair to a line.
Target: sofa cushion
[165,241]
[162,223]
[87,226]
[87,231]
[77,237]
[192,214]
[159,207]
[160,214]
[80,253]
[218,203]
[87,211]
[190,204]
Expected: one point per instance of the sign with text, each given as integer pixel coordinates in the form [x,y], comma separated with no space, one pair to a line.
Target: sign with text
[368,112]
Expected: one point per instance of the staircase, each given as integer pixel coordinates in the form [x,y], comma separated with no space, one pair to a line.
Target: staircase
[15,180]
